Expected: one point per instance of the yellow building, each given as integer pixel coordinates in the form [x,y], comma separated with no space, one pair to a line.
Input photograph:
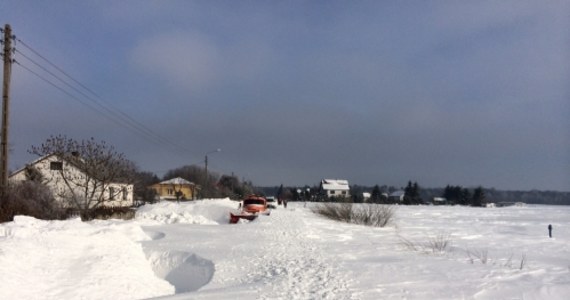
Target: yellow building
[175,189]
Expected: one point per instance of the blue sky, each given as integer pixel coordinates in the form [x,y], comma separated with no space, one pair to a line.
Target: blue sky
[376,92]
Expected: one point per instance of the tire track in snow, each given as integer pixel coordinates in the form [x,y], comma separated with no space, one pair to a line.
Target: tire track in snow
[292,266]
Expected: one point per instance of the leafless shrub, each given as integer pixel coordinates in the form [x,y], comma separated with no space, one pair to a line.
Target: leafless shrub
[410,245]
[376,215]
[334,211]
[32,199]
[509,262]
[523,261]
[481,255]
[365,214]
[439,243]
[105,213]
[435,244]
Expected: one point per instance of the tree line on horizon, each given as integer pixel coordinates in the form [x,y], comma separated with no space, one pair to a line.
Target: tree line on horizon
[415,194]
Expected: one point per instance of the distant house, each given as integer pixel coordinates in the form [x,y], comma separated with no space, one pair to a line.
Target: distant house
[175,189]
[67,181]
[335,188]
[439,201]
[396,197]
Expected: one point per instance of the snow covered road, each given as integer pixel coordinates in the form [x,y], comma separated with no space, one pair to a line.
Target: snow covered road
[269,258]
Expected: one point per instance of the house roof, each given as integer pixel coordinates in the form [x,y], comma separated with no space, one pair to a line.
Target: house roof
[177,180]
[397,194]
[36,161]
[335,184]
[60,158]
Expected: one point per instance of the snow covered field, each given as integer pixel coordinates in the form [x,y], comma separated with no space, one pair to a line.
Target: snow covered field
[188,251]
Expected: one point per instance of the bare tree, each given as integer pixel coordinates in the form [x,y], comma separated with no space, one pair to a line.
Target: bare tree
[90,174]
[143,193]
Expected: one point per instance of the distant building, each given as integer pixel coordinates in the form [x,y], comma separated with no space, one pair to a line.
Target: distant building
[175,189]
[397,196]
[439,201]
[66,180]
[335,188]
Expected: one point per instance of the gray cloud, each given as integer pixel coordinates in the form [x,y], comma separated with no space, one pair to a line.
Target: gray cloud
[454,93]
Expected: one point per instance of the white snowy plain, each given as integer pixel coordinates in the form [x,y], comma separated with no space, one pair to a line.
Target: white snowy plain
[189,251]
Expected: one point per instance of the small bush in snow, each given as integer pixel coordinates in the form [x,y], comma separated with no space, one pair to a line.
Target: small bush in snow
[364,214]
[377,215]
[439,243]
[31,199]
[481,255]
[523,261]
[436,244]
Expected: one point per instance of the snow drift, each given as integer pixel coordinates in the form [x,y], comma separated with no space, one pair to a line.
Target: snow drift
[188,250]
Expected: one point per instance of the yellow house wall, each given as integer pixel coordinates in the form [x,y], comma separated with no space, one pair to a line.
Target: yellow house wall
[162,191]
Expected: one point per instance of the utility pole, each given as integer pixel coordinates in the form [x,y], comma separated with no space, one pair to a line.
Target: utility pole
[7,54]
[206,182]
[206,168]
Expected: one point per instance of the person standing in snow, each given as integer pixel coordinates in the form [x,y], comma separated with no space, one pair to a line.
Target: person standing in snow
[550,230]
[285,203]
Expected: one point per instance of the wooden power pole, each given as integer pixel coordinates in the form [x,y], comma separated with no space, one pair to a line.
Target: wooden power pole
[7,54]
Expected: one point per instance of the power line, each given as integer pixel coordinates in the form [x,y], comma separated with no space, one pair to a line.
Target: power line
[55,66]
[64,91]
[108,110]
[115,120]
[112,113]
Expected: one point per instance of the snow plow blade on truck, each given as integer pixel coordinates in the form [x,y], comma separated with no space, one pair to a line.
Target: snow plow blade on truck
[251,208]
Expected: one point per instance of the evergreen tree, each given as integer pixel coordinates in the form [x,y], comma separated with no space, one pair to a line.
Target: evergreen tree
[376,194]
[412,194]
[465,197]
[416,193]
[478,197]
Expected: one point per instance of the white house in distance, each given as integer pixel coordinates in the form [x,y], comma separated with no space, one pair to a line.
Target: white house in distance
[397,196]
[55,172]
[335,188]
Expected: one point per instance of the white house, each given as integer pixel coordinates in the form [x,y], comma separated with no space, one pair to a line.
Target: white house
[397,196]
[67,181]
[439,201]
[335,188]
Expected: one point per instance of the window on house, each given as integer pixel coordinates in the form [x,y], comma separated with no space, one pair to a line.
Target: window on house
[170,191]
[112,193]
[332,192]
[56,165]
[125,193]
[344,192]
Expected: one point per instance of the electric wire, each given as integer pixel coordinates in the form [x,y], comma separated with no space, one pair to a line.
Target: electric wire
[113,111]
[118,117]
[107,109]
[132,123]
[66,92]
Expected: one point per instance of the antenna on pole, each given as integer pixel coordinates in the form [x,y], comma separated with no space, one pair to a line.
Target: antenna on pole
[7,54]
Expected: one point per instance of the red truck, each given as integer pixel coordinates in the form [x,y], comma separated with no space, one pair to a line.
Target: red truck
[251,207]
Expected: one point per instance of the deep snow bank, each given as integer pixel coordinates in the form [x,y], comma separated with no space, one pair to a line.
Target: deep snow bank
[206,212]
[103,259]
[75,260]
